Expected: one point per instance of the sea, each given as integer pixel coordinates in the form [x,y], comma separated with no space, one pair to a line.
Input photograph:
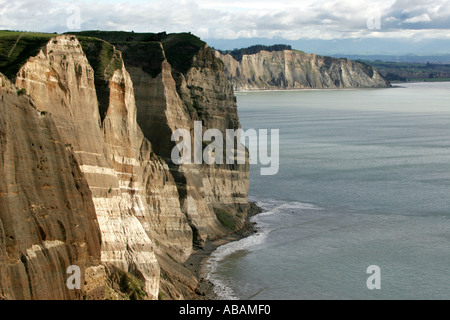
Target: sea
[363,183]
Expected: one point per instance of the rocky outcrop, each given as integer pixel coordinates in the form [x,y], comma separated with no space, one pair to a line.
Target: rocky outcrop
[170,106]
[293,69]
[206,85]
[47,217]
[115,108]
[173,98]
[61,82]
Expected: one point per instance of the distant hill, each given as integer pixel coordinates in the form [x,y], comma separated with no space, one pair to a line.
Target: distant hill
[436,59]
[411,71]
[143,49]
[238,53]
[280,67]
[357,48]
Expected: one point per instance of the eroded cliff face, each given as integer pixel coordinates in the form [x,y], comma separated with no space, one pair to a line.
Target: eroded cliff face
[170,97]
[61,82]
[47,217]
[291,69]
[115,116]
[173,100]
[206,85]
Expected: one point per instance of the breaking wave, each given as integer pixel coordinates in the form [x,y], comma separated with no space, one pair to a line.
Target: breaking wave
[222,286]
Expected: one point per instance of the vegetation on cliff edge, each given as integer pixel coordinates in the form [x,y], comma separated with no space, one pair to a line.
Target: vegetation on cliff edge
[140,49]
[144,49]
[411,71]
[237,54]
[16,47]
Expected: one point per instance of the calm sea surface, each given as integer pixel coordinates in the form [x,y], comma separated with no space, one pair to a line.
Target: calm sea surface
[364,180]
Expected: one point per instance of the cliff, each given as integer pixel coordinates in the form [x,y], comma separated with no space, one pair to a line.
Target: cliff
[47,217]
[115,99]
[293,69]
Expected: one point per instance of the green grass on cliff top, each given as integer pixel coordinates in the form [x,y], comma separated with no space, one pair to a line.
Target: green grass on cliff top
[101,56]
[144,49]
[139,49]
[180,49]
[16,47]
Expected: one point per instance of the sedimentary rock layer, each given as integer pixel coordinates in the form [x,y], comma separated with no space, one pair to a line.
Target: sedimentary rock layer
[293,69]
[48,220]
[113,114]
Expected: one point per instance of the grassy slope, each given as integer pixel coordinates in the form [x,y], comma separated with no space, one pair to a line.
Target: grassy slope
[406,71]
[17,47]
[104,59]
[144,49]
[237,54]
[180,48]
[139,49]
[101,56]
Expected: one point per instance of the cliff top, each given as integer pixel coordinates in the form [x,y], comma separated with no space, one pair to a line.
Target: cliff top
[144,49]
[16,47]
[141,49]
[237,54]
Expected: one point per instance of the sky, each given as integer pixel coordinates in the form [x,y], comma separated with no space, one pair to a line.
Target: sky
[291,20]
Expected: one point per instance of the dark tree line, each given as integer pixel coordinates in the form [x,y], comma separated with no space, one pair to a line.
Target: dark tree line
[238,53]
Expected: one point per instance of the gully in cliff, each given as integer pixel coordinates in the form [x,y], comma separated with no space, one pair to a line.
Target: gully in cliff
[213,153]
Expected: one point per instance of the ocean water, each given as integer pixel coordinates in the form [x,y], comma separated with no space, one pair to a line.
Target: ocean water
[364,180]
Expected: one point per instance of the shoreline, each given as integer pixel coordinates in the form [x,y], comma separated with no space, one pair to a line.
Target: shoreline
[196,262]
[306,89]
[393,85]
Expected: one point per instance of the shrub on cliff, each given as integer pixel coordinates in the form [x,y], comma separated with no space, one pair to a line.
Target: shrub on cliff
[225,218]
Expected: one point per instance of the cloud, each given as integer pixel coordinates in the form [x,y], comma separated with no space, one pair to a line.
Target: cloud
[422,18]
[232,19]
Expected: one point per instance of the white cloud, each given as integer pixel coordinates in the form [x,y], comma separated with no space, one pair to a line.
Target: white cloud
[290,19]
[422,18]
[391,19]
